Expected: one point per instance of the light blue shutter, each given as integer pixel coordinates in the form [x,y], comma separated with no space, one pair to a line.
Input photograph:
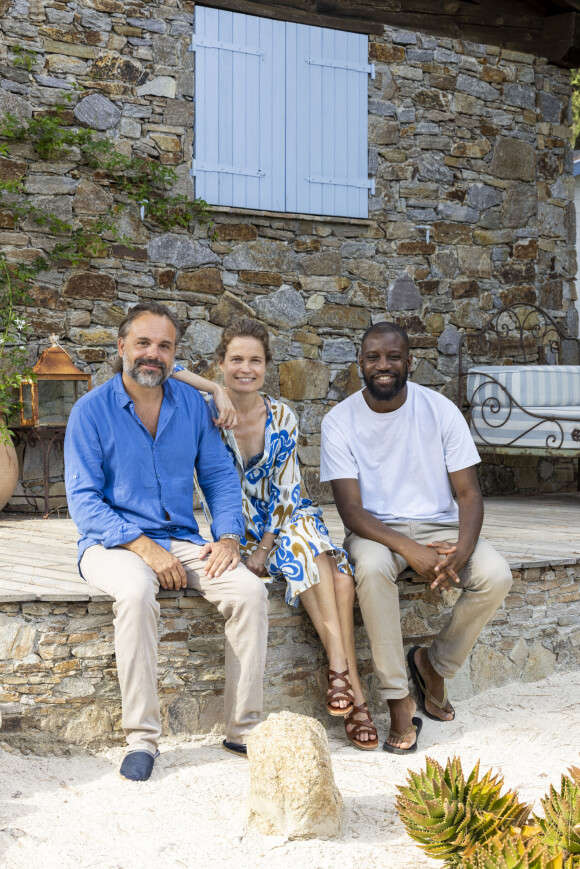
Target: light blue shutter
[326,121]
[239,109]
[280,115]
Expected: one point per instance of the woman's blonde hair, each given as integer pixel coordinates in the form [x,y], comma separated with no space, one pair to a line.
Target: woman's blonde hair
[244,327]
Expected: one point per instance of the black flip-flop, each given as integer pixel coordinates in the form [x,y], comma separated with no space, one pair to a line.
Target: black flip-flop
[417,724]
[422,692]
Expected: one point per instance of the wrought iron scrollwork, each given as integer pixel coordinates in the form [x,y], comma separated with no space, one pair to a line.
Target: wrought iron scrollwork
[533,332]
[45,437]
[496,415]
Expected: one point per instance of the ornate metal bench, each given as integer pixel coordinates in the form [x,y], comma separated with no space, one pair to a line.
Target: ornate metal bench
[521,397]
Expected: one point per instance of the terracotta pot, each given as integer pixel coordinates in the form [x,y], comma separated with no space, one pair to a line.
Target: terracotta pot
[8,472]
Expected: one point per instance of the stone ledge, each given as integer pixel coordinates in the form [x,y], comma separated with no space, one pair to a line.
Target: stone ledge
[94,595]
[290,215]
[59,682]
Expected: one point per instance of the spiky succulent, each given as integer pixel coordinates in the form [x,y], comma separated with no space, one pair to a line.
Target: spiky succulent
[512,851]
[448,814]
[559,829]
[574,772]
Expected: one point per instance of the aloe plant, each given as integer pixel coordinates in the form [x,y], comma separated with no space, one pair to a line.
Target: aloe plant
[559,829]
[448,815]
[513,851]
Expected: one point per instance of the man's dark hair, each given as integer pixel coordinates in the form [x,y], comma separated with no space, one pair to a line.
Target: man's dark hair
[149,307]
[383,326]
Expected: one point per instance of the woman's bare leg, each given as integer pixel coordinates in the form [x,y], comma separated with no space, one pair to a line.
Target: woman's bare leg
[320,603]
[345,594]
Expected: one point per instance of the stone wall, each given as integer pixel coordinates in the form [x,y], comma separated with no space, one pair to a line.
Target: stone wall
[58,679]
[468,140]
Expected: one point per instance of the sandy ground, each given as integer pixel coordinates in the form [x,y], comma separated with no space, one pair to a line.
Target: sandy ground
[77,812]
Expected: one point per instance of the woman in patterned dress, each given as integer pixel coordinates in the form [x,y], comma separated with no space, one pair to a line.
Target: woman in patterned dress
[285,535]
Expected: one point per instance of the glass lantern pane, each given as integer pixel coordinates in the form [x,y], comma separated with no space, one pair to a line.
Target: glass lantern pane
[26,412]
[55,400]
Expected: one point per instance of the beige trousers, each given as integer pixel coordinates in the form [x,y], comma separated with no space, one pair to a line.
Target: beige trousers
[239,595]
[485,581]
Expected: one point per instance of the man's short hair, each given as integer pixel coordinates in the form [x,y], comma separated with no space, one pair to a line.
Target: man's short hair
[384,326]
[149,307]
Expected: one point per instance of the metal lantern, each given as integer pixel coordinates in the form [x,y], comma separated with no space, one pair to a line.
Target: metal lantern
[47,401]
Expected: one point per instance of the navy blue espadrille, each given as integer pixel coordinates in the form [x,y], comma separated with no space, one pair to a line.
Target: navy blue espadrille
[235,747]
[138,765]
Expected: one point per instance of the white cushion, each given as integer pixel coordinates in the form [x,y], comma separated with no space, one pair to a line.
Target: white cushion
[530,385]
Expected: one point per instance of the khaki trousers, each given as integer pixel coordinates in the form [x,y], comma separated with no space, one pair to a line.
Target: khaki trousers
[485,581]
[239,595]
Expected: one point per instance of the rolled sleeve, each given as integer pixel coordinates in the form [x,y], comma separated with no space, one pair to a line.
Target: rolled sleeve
[124,533]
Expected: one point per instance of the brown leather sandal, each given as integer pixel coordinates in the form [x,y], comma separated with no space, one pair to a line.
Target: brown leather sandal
[362,725]
[336,692]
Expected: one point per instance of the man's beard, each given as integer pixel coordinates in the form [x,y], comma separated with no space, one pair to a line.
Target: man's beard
[149,379]
[382,392]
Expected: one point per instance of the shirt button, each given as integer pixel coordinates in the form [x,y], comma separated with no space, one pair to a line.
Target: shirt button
[74,476]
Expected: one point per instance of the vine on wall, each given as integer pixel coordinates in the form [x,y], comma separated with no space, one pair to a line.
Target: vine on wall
[575,81]
[136,179]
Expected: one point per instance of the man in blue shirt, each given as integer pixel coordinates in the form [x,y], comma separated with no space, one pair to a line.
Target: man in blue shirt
[131,450]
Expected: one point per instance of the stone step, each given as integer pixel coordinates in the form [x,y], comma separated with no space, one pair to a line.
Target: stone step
[57,664]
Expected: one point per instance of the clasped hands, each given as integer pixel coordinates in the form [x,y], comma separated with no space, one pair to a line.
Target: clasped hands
[439,562]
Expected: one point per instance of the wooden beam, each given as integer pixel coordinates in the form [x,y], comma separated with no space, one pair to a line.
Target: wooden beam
[561,39]
[504,23]
[492,14]
[564,6]
[282,12]
[539,7]
[360,15]
[524,8]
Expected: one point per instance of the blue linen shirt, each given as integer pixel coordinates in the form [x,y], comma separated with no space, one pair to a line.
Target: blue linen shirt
[122,483]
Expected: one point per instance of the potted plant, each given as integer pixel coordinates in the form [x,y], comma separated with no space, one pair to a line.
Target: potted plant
[14,367]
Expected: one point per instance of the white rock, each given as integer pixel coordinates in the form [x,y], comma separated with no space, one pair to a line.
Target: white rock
[292,788]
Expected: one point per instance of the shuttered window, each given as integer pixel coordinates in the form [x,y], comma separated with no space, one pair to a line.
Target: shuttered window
[280,115]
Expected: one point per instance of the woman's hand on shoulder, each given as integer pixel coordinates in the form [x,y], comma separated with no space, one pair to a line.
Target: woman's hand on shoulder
[226,411]
[227,416]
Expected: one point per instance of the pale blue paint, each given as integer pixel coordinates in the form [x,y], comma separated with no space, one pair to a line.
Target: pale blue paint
[280,115]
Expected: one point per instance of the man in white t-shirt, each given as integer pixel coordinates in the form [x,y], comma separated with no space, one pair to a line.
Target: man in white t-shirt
[391,452]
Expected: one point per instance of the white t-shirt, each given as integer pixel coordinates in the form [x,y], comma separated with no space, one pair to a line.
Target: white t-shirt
[401,459]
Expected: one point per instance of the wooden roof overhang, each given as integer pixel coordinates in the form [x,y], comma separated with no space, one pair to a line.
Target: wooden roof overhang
[546,28]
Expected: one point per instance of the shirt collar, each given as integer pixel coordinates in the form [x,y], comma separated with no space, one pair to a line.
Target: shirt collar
[169,391]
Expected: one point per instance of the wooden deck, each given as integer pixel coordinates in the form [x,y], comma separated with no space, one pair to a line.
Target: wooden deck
[38,556]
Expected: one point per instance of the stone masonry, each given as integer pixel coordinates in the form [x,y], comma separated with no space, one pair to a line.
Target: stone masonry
[58,680]
[469,146]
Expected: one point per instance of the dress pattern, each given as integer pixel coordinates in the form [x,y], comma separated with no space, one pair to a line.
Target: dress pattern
[271,502]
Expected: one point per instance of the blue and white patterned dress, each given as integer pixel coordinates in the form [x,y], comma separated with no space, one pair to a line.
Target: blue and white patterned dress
[271,502]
